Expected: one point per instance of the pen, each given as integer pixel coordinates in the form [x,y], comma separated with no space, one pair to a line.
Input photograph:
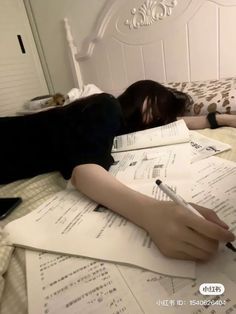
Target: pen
[179,200]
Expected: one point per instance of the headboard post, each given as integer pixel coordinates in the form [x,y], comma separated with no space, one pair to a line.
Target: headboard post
[77,77]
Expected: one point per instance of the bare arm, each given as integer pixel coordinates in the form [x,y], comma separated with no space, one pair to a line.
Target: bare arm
[201,122]
[175,230]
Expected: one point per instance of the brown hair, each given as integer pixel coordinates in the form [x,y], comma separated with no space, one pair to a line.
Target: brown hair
[166,104]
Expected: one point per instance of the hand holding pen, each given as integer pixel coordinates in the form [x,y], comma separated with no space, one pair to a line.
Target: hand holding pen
[180,201]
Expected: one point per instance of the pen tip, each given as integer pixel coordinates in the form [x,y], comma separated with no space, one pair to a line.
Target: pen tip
[158,182]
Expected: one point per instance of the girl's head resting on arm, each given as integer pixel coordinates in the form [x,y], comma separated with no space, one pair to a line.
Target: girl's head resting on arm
[146,104]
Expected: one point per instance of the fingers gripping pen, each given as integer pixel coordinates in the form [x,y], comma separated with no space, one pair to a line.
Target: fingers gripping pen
[179,200]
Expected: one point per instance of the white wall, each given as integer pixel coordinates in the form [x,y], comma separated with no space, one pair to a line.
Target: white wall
[49,16]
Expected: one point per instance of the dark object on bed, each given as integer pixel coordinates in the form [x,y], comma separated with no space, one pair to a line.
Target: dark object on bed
[211,117]
[7,204]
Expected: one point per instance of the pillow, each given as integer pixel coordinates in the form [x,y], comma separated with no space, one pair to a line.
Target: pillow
[208,96]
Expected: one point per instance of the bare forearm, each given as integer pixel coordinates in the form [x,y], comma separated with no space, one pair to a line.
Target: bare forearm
[196,122]
[102,187]
[201,122]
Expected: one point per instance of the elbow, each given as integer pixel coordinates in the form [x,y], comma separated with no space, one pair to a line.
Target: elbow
[84,173]
[78,173]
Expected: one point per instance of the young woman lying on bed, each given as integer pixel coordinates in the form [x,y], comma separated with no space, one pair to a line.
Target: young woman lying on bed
[77,139]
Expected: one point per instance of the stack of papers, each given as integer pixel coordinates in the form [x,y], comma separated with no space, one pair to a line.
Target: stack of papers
[71,224]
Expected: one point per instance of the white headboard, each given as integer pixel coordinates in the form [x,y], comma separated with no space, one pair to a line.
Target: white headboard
[163,40]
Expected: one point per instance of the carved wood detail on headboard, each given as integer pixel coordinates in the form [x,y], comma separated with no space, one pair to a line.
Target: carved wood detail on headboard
[163,40]
[150,12]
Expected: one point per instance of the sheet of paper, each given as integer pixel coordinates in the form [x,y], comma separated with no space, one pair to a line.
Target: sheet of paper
[149,287]
[66,284]
[215,187]
[203,146]
[139,170]
[71,223]
[59,284]
[173,133]
[225,135]
[190,300]
[165,162]
[225,261]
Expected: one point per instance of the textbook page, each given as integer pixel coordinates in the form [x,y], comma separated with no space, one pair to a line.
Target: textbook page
[172,133]
[71,223]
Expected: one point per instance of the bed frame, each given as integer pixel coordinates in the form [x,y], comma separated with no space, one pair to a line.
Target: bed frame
[163,40]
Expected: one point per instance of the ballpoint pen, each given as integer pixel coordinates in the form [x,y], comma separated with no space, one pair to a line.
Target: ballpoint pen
[179,200]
